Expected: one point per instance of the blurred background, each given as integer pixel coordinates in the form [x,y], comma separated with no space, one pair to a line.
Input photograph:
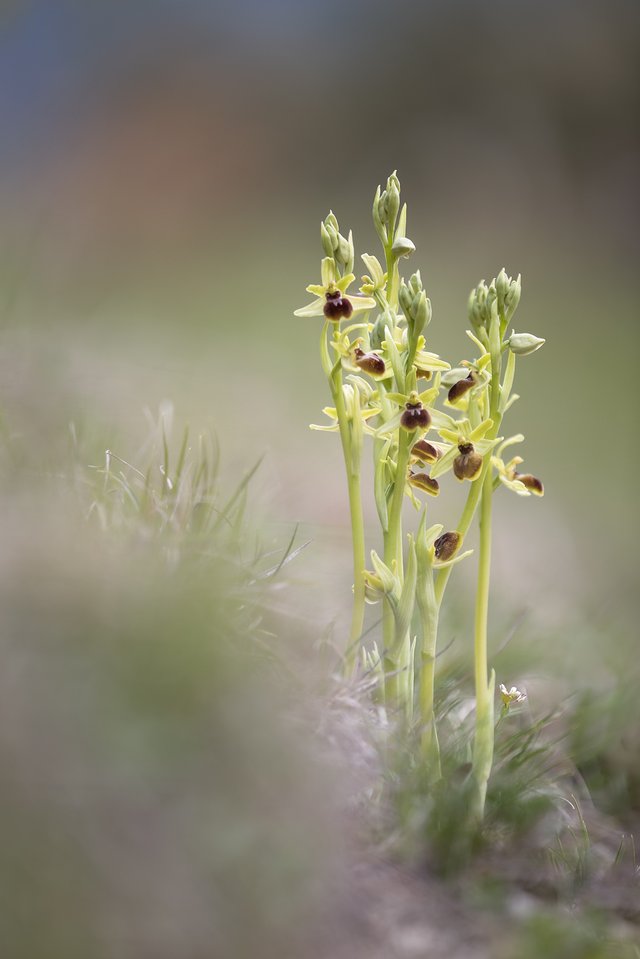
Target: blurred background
[163,170]
[164,167]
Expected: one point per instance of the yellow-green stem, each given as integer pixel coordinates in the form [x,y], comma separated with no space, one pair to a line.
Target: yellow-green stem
[393,554]
[393,538]
[484,732]
[463,528]
[429,609]
[359,563]
[352,466]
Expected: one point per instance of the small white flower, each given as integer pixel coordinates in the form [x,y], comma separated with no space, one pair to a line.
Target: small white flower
[511,696]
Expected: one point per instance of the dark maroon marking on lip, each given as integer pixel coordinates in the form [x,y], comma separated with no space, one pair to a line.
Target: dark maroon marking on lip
[415,417]
[337,306]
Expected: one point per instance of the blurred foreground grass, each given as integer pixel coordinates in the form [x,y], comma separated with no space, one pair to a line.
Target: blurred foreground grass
[157,796]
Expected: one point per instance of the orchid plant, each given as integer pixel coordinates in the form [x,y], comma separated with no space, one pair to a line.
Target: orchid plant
[426,421]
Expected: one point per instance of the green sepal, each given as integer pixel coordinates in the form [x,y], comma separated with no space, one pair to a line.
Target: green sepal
[399,398]
[388,578]
[507,383]
[481,346]
[430,396]
[442,421]
[390,426]
[396,362]
[401,229]
[444,463]
[377,222]
[325,358]
[381,481]
[403,612]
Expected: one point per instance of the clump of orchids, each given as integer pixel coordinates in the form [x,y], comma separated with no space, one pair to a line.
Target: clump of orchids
[386,384]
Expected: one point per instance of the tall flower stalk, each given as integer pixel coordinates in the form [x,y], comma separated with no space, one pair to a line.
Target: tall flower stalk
[385,383]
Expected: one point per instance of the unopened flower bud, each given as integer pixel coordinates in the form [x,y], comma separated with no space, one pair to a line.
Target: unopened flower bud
[480,301]
[524,343]
[384,575]
[415,417]
[373,588]
[532,483]
[415,304]
[344,253]
[424,482]
[512,298]
[462,386]
[468,464]
[335,245]
[403,246]
[392,201]
[502,283]
[337,307]
[424,452]
[327,239]
[369,362]
[446,545]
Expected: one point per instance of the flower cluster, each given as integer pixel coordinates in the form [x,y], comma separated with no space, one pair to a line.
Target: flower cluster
[418,436]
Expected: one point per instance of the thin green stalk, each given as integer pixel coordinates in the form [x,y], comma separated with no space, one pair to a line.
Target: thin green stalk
[463,526]
[483,744]
[393,539]
[352,466]
[359,563]
[428,610]
[393,552]
[393,276]
[484,732]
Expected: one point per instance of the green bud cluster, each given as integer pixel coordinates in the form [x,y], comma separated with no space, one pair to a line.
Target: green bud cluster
[482,306]
[415,304]
[386,206]
[337,246]
[508,293]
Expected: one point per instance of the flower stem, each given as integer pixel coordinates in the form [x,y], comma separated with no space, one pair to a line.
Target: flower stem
[483,743]
[484,732]
[429,610]
[393,538]
[352,465]
[393,556]
[351,453]
[463,526]
[359,562]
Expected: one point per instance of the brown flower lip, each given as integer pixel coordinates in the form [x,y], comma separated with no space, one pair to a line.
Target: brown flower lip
[424,482]
[532,483]
[461,387]
[447,545]
[415,417]
[468,464]
[337,307]
[369,362]
[425,452]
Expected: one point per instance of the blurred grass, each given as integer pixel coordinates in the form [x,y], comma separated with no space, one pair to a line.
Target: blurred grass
[156,798]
